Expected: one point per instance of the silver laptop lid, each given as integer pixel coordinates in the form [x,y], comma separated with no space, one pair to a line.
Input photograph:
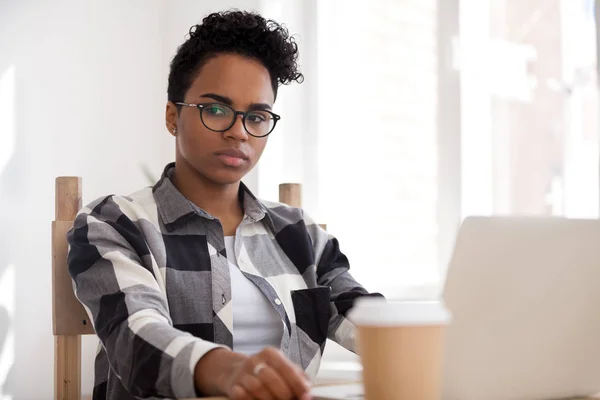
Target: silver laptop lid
[525,295]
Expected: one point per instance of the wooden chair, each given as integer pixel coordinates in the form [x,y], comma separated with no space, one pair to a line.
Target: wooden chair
[69,319]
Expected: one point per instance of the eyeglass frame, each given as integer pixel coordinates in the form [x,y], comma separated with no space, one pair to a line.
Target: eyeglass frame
[201,106]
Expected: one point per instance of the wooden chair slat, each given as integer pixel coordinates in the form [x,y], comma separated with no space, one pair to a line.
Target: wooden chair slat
[68,315]
[67,368]
[291,194]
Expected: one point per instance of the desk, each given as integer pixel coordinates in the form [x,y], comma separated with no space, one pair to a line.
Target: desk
[224,398]
[338,381]
[331,384]
[328,383]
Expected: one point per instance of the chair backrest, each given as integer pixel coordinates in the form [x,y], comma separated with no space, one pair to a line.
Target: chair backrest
[69,318]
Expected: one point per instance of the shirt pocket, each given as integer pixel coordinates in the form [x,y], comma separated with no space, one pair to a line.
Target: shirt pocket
[312,309]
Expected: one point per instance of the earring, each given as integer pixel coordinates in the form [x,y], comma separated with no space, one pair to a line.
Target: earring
[175,130]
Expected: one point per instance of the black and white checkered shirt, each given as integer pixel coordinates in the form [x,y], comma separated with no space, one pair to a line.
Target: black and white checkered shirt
[152,272]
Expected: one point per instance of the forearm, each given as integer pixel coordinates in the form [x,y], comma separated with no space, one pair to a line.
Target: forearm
[214,369]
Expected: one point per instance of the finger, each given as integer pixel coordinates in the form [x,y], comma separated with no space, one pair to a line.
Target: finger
[239,393]
[256,387]
[287,370]
[304,374]
[275,383]
[307,380]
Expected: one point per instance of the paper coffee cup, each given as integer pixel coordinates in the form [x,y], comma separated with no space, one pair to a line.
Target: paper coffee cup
[400,345]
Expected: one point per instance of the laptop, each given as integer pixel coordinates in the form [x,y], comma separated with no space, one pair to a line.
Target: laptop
[525,298]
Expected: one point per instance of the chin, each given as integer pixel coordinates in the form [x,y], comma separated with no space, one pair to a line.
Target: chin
[226,177]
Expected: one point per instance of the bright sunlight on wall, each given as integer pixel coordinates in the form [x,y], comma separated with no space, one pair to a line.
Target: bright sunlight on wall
[7,116]
[7,276]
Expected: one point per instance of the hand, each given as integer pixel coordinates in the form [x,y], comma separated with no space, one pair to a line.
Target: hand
[267,375]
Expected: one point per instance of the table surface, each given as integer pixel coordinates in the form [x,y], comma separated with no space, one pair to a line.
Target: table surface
[323,383]
[331,383]
[347,382]
[224,398]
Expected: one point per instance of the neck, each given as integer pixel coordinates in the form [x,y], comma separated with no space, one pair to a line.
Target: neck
[220,201]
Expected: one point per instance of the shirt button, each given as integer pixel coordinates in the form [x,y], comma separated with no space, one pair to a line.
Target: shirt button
[223,299]
[278,302]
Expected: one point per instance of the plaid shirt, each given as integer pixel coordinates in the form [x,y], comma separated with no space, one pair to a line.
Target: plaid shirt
[152,272]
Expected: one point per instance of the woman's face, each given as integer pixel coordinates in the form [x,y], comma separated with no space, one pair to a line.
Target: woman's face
[222,157]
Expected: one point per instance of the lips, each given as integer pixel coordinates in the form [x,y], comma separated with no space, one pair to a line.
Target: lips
[233,153]
[232,157]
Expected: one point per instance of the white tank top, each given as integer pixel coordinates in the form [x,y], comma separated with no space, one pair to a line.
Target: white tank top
[256,324]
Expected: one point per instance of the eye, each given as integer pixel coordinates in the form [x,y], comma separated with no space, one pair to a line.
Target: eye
[216,110]
[257,117]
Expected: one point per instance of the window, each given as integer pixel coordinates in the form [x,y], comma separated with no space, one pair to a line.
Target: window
[529,108]
[377,138]
[526,129]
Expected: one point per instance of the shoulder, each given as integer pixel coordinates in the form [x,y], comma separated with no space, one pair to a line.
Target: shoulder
[115,222]
[114,208]
[282,212]
[289,218]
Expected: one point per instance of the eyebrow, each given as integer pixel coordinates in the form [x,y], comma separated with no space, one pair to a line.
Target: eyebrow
[229,102]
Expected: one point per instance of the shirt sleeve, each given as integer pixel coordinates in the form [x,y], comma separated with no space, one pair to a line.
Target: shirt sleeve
[333,270]
[116,279]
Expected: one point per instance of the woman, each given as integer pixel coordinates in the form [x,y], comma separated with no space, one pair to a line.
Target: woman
[195,286]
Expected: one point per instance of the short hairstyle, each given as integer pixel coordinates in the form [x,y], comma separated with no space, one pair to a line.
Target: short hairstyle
[235,32]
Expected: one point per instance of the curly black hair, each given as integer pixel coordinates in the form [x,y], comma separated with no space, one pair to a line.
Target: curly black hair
[235,32]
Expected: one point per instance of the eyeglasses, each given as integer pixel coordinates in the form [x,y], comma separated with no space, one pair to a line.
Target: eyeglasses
[219,118]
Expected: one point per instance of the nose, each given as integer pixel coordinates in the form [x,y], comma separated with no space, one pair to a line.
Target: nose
[237,130]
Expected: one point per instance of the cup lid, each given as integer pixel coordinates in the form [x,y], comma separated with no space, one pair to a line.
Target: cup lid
[379,312]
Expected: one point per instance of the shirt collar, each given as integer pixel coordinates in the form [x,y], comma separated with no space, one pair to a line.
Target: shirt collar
[174,208]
